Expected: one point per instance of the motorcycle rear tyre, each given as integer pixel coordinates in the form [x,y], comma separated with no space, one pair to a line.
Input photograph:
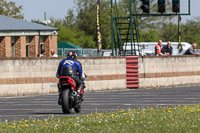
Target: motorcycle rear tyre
[66,107]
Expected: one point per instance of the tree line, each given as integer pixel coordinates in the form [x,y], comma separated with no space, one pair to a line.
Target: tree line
[79,24]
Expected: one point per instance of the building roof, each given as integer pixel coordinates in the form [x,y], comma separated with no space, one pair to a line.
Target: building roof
[12,24]
[68,45]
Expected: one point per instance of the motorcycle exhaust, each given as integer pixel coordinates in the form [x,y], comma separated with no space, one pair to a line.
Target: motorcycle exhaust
[74,93]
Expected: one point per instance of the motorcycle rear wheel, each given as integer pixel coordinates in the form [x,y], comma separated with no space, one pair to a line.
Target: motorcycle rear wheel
[66,107]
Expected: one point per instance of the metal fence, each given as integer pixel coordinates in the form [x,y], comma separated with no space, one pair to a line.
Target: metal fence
[62,52]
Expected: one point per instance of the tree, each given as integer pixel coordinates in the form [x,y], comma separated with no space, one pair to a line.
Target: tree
[70,33]
[86,15]
[70,18]
[149,36]
[191,31]
[86,20]
[10,9]
[169,32]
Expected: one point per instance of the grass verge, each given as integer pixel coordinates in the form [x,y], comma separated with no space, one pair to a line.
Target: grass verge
[156,120]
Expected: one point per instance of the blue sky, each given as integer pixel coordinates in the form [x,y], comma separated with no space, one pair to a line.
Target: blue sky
[34,9]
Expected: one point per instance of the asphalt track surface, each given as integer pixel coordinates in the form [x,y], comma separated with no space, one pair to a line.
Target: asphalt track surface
[39,107]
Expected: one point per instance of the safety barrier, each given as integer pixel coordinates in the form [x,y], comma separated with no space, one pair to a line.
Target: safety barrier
[132,71]
[35,76]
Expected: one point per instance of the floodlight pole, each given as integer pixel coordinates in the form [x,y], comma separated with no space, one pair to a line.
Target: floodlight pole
[112,28]
[189,11]
[131,25]
[179,34]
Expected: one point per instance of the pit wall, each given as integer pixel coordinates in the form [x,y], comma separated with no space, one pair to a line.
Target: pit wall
[35,76]
[155,72]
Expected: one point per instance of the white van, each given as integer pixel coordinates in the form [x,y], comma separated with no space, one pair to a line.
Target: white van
[148,48]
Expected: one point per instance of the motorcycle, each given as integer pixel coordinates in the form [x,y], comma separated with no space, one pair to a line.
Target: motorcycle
[69,95]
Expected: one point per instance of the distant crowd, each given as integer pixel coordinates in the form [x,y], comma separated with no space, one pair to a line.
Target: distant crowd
[43,52]
[168,50]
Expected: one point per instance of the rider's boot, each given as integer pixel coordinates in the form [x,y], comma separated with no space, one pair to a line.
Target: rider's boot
[59,99]
[80,93]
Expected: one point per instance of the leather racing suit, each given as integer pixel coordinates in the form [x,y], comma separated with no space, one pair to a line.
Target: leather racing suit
[73,69]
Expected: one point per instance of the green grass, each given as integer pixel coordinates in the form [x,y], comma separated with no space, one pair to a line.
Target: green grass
[173,119]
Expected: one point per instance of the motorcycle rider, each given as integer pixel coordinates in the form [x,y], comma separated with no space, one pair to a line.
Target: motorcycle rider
[84,76]
[71,67]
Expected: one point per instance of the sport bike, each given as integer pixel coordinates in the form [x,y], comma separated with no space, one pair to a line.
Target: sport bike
[69,95]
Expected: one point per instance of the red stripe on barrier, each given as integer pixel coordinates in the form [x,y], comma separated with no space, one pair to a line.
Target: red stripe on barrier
[131,78]
[133,86]
[132,82]
[132,72]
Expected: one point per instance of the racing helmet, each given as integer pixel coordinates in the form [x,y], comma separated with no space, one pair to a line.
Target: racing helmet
[72,55]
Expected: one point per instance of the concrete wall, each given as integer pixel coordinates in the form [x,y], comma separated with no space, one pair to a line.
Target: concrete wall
[32,76]
[105,73]
[169,71]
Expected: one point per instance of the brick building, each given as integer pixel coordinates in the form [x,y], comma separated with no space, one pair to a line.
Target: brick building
[20,38]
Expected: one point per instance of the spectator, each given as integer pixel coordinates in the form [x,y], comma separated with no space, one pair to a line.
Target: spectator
[192,50]
[167,49]
[42,53]
[158,48]
[53,54]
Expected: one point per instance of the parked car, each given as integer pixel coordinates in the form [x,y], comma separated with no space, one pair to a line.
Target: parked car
[148,48]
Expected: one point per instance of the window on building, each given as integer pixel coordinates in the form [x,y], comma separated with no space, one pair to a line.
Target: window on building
[13,41]
[1,39]
[28,42]
[2,46]
[42,41]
